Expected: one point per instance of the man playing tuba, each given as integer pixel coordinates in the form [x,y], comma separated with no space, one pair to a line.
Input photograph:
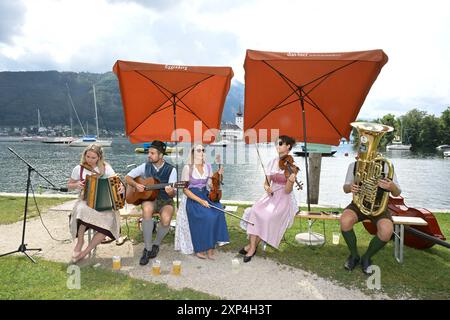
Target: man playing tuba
[364,179]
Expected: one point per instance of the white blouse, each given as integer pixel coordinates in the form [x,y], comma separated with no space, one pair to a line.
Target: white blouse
[76,172]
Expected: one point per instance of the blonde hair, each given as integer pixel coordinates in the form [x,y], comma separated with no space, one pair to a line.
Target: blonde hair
[98,150]
[190,159]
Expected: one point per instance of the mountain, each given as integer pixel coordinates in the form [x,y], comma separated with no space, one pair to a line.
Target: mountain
[235,98]
[22,93]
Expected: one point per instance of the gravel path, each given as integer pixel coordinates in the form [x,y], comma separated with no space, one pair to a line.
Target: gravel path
[262,278]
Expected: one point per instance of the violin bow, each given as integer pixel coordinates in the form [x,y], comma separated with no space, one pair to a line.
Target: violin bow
[264,170]
[231,214]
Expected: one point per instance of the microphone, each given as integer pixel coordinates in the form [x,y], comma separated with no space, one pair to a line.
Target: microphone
[63,189]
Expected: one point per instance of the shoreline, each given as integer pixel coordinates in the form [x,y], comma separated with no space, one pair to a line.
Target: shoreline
[224,201]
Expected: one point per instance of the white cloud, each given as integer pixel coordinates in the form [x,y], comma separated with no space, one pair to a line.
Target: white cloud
[90,35]
[11,19]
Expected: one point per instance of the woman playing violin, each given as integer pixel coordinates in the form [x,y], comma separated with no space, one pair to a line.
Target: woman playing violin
[199,226]
[274,212]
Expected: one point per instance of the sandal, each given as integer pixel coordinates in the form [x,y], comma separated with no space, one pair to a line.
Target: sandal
[107,240]
[121,240]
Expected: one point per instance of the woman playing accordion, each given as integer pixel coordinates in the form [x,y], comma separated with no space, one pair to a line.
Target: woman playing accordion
[83,217]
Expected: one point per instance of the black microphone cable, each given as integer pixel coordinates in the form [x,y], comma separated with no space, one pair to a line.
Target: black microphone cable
[42,221]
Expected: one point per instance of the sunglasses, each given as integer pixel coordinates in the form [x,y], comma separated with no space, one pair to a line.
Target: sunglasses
[200,150]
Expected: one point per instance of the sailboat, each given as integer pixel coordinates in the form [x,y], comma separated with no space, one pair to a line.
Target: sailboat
[61,140]
[58,140]
[39,130]
[397,144]
[88,139]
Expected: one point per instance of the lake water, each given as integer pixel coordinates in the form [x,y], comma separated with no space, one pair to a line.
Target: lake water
[424,179]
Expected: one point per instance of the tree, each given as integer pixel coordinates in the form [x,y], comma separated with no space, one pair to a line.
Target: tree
[411,123]
[444,123]
[387,138]
[429,133]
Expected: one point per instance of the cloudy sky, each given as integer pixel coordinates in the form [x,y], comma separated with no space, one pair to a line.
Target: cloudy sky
[90,35]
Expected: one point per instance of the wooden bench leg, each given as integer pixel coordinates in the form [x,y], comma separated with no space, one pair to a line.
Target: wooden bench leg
[93,252]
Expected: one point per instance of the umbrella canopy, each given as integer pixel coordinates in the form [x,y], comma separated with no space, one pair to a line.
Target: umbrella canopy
[158,99]
[311,97]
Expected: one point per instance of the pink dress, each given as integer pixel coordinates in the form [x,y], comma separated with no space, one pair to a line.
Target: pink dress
[272,215]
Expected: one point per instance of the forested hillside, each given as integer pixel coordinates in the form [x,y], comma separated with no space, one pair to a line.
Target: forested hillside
[22,93]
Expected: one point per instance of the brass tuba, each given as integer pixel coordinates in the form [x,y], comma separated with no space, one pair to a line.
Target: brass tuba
[371,199]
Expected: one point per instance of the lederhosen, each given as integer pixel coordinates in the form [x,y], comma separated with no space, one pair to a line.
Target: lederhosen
[386,214]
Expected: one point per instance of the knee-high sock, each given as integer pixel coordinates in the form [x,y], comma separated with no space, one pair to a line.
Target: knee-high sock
[147,230]
[161,233]
[375,245]
[350,239]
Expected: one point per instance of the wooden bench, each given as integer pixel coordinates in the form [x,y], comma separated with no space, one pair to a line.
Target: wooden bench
[399,227]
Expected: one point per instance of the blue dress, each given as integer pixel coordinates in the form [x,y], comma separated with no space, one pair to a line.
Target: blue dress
[207,225]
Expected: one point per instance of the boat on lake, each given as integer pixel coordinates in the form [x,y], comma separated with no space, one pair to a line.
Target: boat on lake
[398,145]
[58,140]
[88,139]
[443,147]
[324,149]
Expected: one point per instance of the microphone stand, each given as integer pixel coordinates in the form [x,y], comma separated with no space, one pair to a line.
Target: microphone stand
[55,188]
[23,247]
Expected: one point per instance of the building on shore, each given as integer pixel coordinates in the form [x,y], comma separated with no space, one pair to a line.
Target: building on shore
[233,131]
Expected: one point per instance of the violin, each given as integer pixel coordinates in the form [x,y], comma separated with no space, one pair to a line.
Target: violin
[286,163]
[215,194]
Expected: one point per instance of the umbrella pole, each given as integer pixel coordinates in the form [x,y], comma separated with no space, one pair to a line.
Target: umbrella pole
[306,151]
[302,237]
[176,140]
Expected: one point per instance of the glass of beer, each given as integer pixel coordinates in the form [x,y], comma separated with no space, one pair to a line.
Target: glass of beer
[235,265]
[336,236]
[176,267]
[116,263]
[156,268]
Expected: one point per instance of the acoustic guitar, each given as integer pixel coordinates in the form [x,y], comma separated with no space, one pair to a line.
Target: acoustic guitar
[152,187]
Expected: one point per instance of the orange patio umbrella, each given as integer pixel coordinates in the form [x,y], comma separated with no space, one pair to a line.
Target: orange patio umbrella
[158,99]
[312,97]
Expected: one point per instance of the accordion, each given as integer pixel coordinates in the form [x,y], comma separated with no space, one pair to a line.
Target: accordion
[103,193]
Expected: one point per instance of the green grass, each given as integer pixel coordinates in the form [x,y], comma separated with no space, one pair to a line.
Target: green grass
[12,208]
[424,274]
[21,279]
